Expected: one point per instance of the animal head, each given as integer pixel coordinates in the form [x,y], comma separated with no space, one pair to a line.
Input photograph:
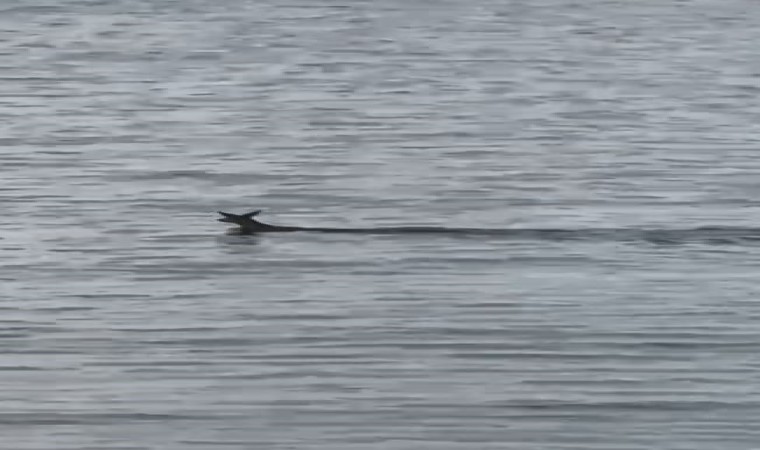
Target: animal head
[245,222]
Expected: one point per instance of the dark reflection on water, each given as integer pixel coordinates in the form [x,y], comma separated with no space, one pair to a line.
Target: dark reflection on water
[704,235]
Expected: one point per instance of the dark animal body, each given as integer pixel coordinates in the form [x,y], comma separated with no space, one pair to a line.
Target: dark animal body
[246,224]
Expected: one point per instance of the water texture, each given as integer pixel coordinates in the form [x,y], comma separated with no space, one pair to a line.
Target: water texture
[130,321]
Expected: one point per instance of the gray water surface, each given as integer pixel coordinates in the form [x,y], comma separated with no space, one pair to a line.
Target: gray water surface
[128,320]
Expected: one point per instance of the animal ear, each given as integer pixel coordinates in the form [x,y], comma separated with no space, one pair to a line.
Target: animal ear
[252,213]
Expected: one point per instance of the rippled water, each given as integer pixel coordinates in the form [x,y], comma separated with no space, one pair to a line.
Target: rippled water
[130,321]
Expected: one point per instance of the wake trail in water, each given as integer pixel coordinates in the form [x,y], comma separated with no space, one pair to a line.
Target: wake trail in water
[715,235]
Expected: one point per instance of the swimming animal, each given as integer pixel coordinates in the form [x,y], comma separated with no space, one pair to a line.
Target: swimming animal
[247,224]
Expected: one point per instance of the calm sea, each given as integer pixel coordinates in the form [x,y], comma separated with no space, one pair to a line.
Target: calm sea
[129,321]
